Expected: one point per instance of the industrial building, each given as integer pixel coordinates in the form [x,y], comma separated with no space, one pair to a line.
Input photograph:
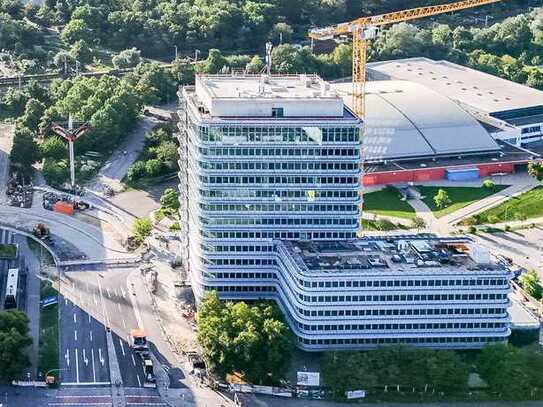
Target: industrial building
[429,120]
[270,207]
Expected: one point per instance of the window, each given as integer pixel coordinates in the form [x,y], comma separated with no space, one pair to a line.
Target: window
[278,112]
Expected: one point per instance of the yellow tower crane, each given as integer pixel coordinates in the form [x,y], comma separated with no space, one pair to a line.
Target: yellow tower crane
[366,28]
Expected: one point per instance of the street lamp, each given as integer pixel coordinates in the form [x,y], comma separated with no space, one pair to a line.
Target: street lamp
[70,134]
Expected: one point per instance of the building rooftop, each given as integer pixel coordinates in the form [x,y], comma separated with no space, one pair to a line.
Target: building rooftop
[409,120]
[281,96]
[477,90]
[410,253]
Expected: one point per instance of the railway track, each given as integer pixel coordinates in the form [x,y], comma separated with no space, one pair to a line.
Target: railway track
[9,82]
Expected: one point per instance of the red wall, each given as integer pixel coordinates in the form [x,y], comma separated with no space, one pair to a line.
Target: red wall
[429,174]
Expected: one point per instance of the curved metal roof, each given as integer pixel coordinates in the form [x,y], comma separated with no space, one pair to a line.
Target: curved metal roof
[408,120]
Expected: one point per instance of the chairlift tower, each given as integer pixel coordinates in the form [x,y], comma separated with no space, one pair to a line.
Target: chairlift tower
[71,134]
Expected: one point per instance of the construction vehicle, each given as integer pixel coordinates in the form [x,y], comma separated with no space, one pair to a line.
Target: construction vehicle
[139,340]
[40,231]
[148,370]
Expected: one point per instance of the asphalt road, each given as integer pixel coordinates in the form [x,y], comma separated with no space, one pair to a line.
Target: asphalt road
[102,300]
[83,346]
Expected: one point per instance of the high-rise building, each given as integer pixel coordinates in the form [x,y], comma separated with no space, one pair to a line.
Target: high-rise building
[270,195]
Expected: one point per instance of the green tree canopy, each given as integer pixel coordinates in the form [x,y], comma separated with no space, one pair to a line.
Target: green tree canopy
[170,199]
[25,151]
[442,199]
[531,283]
[14,339]
[253,340]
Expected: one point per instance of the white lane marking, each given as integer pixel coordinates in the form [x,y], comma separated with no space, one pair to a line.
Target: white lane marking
[75,334]
[75,319]
[133,360]
[65,301]
[90,333]
[123,293]
[116,292]
[79,404]
[108,293]
[100,356]
[93,368]
[85,358]
[124,323]
[122,346]
[91,396]
[76,367]
[134,301]
[67,357]
[139,381]
[84,384]
[104,310]
[89,318]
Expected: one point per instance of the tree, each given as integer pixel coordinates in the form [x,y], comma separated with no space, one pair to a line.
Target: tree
[153,167]
[282,31]
[53,148]
[535,169]
[531,283]
[253,340]
[170,199]
[418,223]
[76,30]
[25,152]
[167,153]
[142,229]
[136,171]
[255,65]
[14,340]
[81,52]
[442,199]
[497,365]
[214,63]
[34,110]
[488,184]
[127,58]
[56,172]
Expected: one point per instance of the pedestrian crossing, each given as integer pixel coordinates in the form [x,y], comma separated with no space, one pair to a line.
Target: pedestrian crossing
[102,397]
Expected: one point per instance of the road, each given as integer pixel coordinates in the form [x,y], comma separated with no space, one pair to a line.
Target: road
[6,141]
[114,170]
[92,301]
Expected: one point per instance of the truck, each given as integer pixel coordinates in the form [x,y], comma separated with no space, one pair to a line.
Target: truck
[148,370]
[139,340]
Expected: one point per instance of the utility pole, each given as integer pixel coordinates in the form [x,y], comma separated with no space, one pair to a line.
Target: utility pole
[269,47]
[70,134]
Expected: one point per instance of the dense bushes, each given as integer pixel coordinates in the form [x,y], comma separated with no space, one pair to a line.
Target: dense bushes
[159,156]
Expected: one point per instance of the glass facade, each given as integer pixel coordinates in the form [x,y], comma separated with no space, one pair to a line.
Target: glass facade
[247,188]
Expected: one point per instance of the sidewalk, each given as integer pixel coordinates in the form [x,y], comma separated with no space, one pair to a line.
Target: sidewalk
[489,202]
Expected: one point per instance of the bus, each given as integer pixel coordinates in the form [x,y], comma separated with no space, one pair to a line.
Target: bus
[10,300]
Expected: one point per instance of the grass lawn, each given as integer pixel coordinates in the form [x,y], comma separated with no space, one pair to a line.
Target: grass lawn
[48,353]
[8,251]
[381,225]
[387,202]
[460,197]
[528,205]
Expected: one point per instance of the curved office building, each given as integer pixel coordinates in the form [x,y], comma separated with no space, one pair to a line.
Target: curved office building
[270,207]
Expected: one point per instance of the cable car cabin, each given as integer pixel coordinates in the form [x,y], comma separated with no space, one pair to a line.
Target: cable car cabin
[11,298]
